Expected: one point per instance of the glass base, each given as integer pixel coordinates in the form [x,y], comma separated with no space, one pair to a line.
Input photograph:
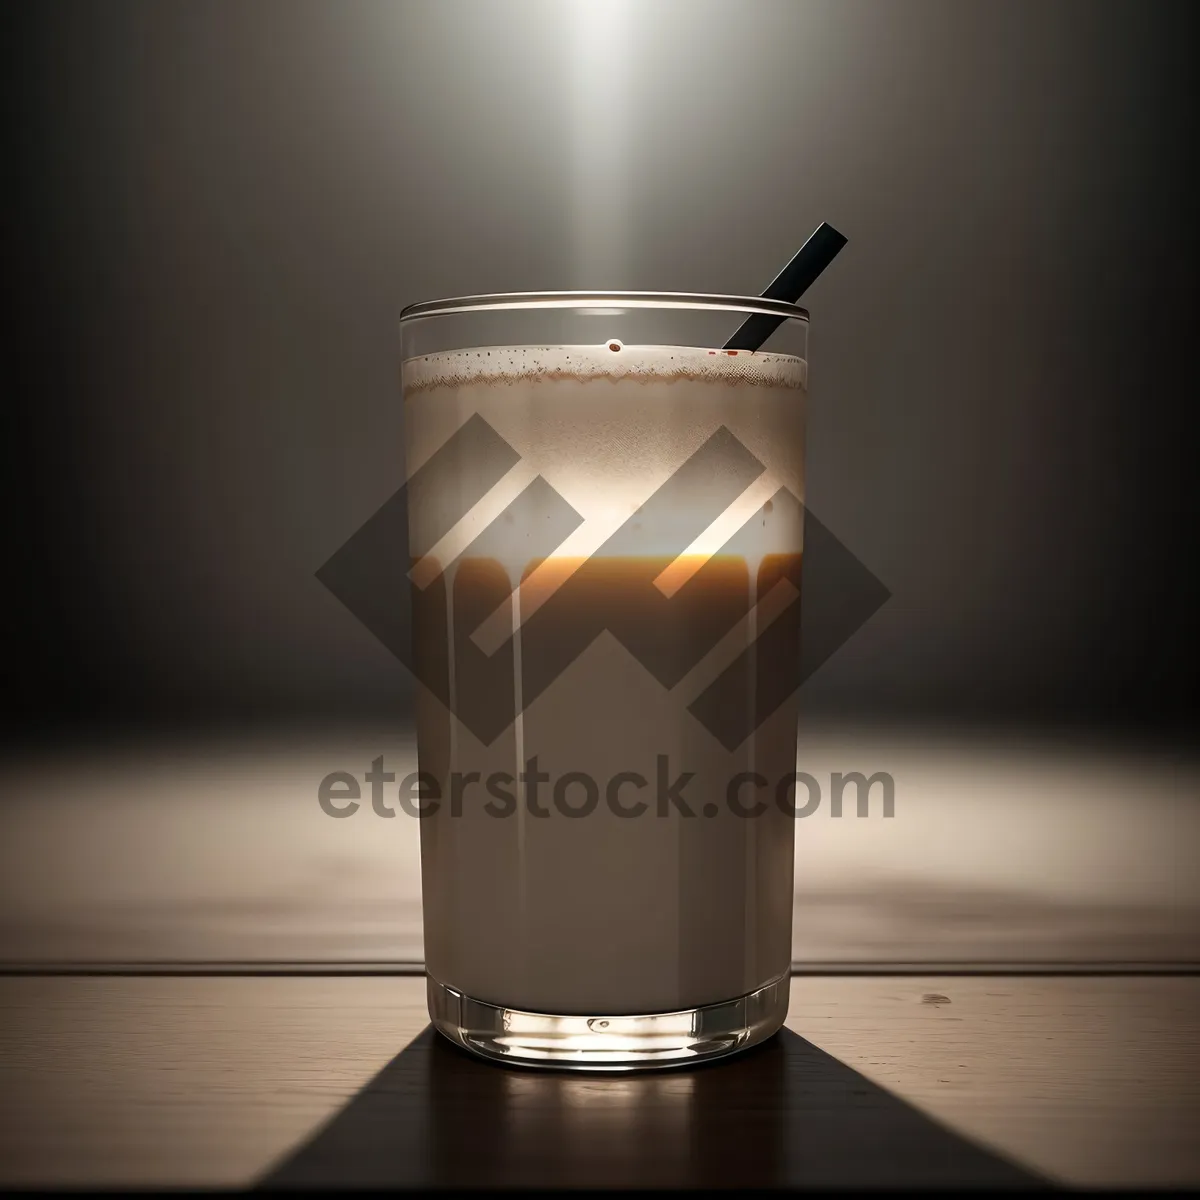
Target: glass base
[608,1043]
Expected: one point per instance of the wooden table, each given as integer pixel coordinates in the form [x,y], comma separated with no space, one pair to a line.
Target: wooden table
[178,1070]
[939,1080]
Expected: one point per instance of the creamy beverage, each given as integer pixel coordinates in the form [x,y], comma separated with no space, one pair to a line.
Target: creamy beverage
[606,544]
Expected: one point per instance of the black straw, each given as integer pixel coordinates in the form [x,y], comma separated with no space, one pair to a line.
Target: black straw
[790,284]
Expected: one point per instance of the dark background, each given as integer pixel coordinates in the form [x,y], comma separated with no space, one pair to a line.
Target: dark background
[215,212]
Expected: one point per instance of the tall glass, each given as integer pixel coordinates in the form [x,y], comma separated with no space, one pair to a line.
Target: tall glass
[605,533]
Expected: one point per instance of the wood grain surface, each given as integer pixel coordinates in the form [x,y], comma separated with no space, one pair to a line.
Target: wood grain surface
[1009,851]
[209,1081]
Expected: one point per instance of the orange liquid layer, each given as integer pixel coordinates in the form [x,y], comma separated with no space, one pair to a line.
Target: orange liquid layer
[748,621]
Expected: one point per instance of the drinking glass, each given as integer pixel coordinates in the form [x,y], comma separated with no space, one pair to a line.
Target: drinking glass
[605,531]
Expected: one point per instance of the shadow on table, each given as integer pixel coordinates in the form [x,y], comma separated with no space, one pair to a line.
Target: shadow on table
[783,1115]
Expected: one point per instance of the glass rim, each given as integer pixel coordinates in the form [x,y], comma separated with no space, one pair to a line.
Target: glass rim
[508,301]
